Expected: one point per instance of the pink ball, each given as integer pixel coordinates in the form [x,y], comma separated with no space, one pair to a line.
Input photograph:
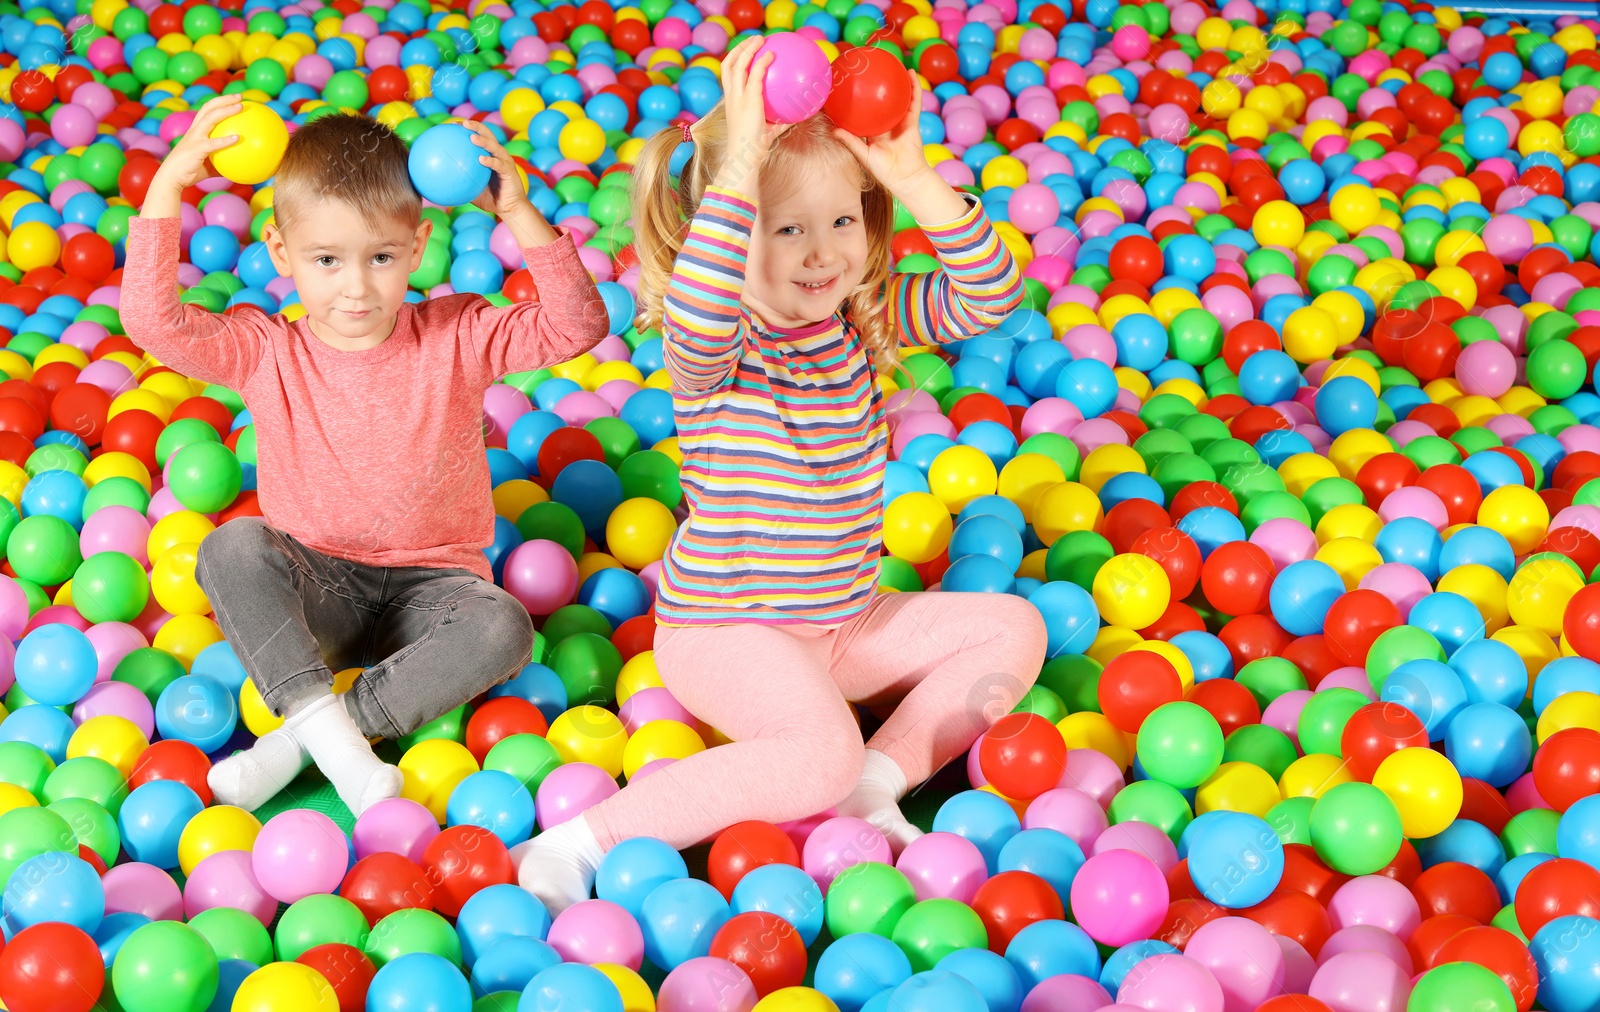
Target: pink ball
[1067,811]
[1361,981]
[136,888]
[581,407]
[1120,897]
[1366,937]
[502,406]
[1066,991]
[542,575]
[1171,983]
[1033,207]
[395,826]
[1243,957]
[707,984]
[116,529]
[1486,368]
[841,843]
[943,866]
[1094,773]
[1286,540]
[1377,901]
[1415,501]
[964,126]
[1141,838]
[73,125]
[299,853]
[569,791]
[1404,585]
[117,699]
[1508,237]
[225,879]
[313,70]
[650,704]
[1348,678]
[798,80]
[597,931]
[13,607]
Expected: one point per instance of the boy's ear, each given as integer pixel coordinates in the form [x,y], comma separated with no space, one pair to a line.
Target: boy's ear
[419,242]
[272,235]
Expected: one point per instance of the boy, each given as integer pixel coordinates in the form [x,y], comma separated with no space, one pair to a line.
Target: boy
[373,483]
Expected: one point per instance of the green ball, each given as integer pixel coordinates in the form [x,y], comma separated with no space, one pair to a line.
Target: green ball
[1323,718]
[1076,679]
[149,670]
[1153,803]
[1531,832]
[1196,336]
[1260,745]
[571,619]
[44,549]
[435,267]
[234,934]
[1461,987]
[1045,703]
[1355,829]
[181,433]
[205,477]
[89,778]
[450,726]
[1396,646]
[1556,370]
[933,929]
[588,666]
[1582,134]
[1327,493]
[165,967]
[1058,448]
[1076,557]
[346,89]
[867,897]
[1267,678]
[99,165]
[26,765]
[412,930]
[552,521]
[92,825]
[317,920]
[898,574]
[1180,744]
[528,757]
[110,587]
[1506,920]
[925,372]
[1291,820]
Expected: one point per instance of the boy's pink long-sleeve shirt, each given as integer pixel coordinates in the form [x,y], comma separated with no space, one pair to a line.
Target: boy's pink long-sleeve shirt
[373,456]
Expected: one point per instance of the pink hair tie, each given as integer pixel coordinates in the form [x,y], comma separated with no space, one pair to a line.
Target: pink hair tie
[686,138]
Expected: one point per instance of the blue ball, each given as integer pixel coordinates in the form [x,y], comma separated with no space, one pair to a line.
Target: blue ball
[1048,853]
[1489,742]
[1045,949]
[1141,341]
[1479,546]
[444,160]
[981,818]
[995,506]
[1301,595]
[1502,71]
[495,913]
[56,664]
[153,818]
[1491,672]
[1120,963]
[54,887]
[528,433]
[1211,527]
[1189,257]
[989,535]
[1207,654]
[856,968]
[678,920]
[590,489]
[1577,834]
[1344,403]
[44,727]
[113,930]
[1089,384]
[511,961]
[1428,688]
[1130,485]
[995,440]
[633,868]
[1267,377]
[979,574]
[197,709]
[1302,180]
[478,272]
[1484,136]
[1071,618]
[938,991]
[784,890]
[1413,541]
[1564,675]
[1450,618]
[213,248]
[1465,842]
[493,800]
[1566,952]
[421,982]
[1235,858]
[231,974]
[1514,871]
[615,593]
[538,685]
[1038,365]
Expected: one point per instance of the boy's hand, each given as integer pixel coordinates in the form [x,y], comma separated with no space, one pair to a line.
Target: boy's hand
[895,158]
[189,161]
[505,195]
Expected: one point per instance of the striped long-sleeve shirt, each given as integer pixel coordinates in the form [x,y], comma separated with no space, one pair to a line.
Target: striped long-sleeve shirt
[783,431]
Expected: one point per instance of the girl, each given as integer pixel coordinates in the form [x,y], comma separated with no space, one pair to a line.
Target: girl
[775,300]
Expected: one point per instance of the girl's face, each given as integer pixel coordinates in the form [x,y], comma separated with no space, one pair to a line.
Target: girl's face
[809,249]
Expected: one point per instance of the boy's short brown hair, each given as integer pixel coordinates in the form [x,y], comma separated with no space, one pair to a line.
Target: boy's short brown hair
[348,157]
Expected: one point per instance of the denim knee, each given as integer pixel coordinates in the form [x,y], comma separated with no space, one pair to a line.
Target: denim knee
[505,631]
[236,546]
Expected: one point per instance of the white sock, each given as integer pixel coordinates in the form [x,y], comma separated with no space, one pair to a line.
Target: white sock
[558,865]
[343,753]
[877,800]
[249,779]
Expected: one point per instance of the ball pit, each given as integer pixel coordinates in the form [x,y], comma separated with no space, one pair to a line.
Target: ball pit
[1294,444]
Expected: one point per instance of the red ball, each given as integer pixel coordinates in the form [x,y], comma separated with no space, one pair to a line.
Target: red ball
[1012,900]
[1137,259]
[1304,872]
[173,759]
[1293,1003]
[1177,555]
[1132,686]
[1430,936]
[1376,731]
[1130,518]
[564,446]
[462,860]
[1355,622]
[347,970]
[1556,888]
[1237,578]
[1452,887]
[1023,755]
[88,256]
[1456,488]
[1295,915]
[1566,768]
[1384,473]
[744,847]
[1581,624]
[81,408]
[51,967]
[1249,637]
[871,92]
[381,883]
[1501,952]
[765,946]
[1230,703]
[21,417]
[209,410]
[501,718]
[1405,867]
[134,432]
[1185,917]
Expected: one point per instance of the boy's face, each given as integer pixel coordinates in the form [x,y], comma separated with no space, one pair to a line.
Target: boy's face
[813,234]
[351,273]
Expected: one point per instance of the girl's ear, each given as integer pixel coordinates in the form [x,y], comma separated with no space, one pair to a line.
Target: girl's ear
[419,242]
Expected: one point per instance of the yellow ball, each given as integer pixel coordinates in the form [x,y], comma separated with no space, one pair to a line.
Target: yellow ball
[1518,513]
[216,829]
[638,673]
[1025,477]
[1455,284]
[1312,776]
[518,107]
[1568,710]
[1425,788]
[173,583]
[659,739]
[1484,587]
[262,140]
[254,712]
[285,987]
[1278,223]
[432,770]
[636,996]
[33,244]
[582,140]
[917,526]
[1095,731]
[1106,462]
[184,636]
[1132,591]
[961,474]
[182,527]
[1003,170]
[1539,593]
[117,740]
[1064,508]
[1355,207]
[1238,787]
[638,531]
[796,999]
[589,734]
[1310,334]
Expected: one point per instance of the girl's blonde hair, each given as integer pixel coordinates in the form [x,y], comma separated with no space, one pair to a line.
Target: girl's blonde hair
[660,213]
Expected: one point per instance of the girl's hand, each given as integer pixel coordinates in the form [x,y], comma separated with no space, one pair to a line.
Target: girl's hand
[189,161]
[505,195]
[750,136]
[896,157]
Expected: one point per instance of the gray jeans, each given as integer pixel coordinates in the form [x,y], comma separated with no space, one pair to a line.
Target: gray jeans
[430,639]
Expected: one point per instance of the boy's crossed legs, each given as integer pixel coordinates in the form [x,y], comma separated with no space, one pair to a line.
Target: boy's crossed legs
[441,637]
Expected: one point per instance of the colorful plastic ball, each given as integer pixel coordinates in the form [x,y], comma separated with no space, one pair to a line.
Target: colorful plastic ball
[52,966]
[165,965]
[286,985]
[1131,591]
[1355,828]
[1235,859]
[679,919]
[263,138]
[1180,744]
[55,664]
[1119,896]
[445,168]
[797,81]
[298,853]
[421,980]
[870,93]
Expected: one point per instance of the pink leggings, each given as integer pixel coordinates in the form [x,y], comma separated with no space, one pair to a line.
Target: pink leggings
[956,663]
